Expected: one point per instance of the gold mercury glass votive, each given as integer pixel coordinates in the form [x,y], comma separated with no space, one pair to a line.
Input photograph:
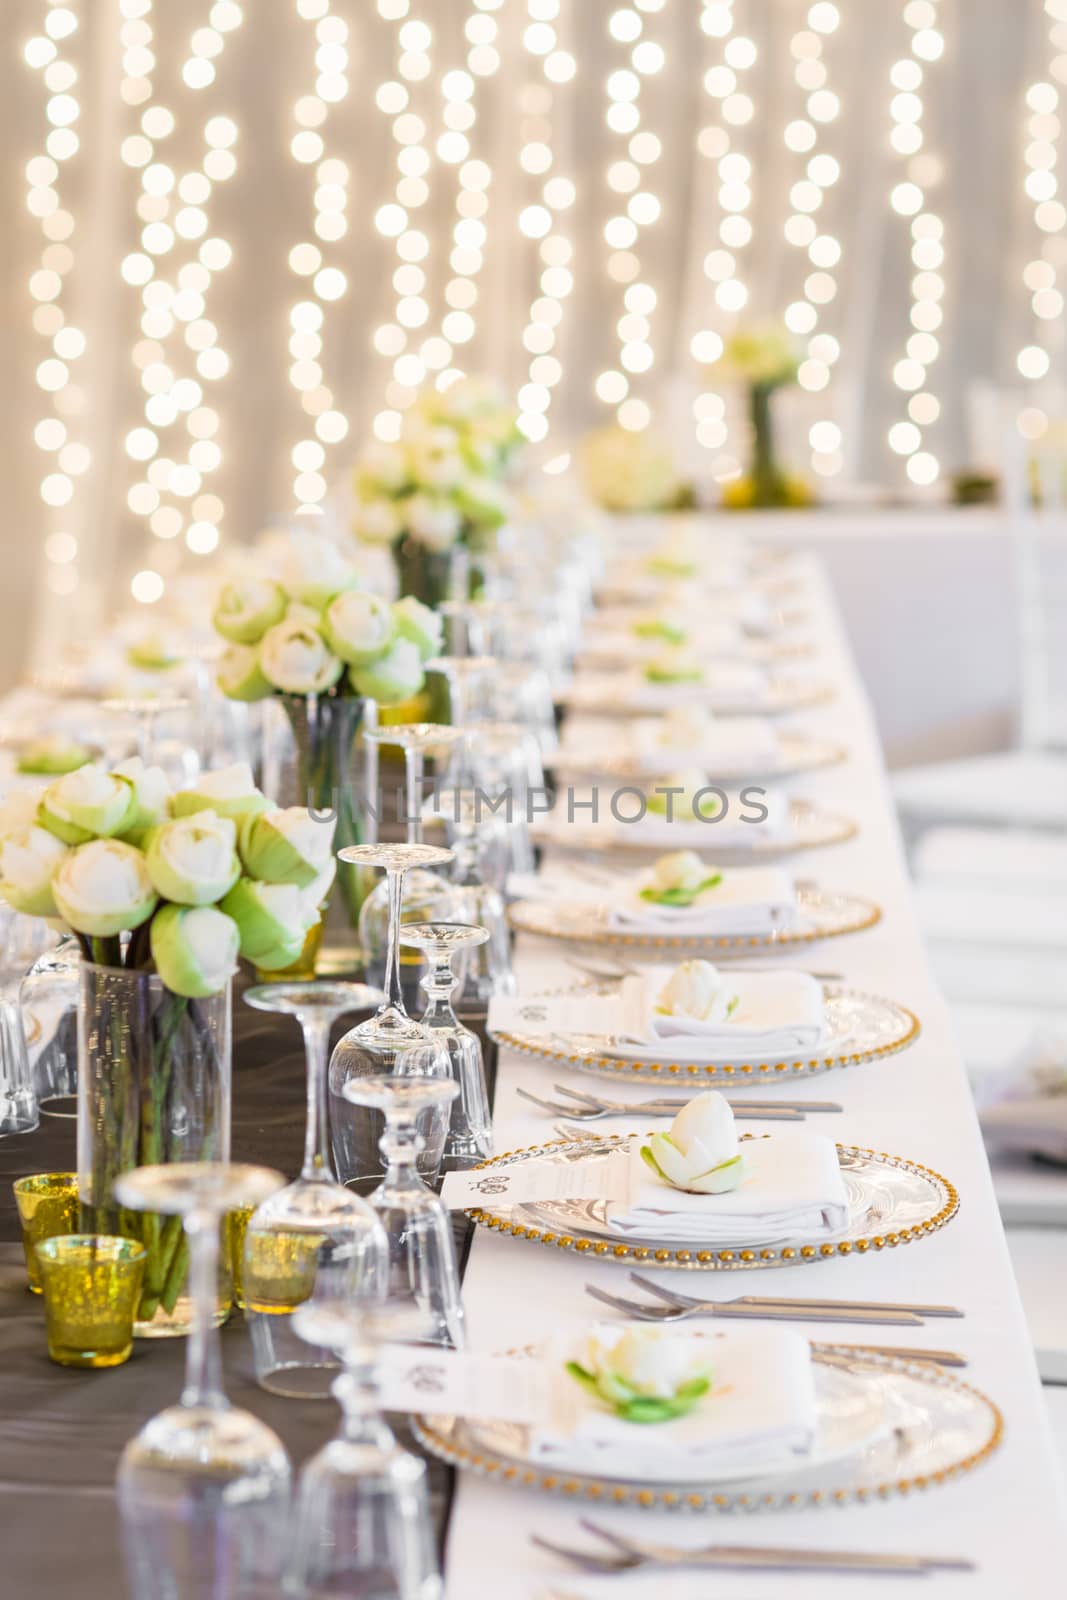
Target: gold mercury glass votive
[91,1283]
[48,1207]
[235,1226]
[279,1269]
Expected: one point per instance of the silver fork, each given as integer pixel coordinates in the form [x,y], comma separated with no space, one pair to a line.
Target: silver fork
[774,1311]
[676,1297]
[627,1555]
[589,1108]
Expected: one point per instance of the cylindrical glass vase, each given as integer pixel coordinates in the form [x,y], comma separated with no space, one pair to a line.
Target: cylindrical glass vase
[153,1088]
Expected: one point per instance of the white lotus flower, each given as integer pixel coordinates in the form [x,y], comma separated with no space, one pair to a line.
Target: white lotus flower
[656,1362]
[680,869]
[85,804]
[358,626]
[393,677]
[381,468]
[103,888]
[433,457]
[295,657]
[239,675]
[195,949]
[228,791]
[424,627]
[684,796]
[151,792]
[378,521]
[193,860]
[700,1153]
[699,990]
[314,569]
[247,607]
[29,857]
[434,523]
[273,919]
[290,845]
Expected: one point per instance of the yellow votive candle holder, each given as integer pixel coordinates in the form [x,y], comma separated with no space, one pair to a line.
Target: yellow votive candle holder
[48,1207]
[92,1284]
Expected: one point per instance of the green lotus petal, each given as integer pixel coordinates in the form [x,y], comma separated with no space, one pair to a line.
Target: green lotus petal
[273,920]
[53,757]
[680,897]
[229,793]
[424,627]
[719,1179]
[285,846]
[655,674]
[98,807]
[668,631]
[194,948]
[394,677]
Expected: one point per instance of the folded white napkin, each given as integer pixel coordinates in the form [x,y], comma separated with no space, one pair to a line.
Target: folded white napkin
[746,900]
[751,607]
[738,827]
[792,1189]
[709,640]
[760,1414]
[777,1013]
[745,744]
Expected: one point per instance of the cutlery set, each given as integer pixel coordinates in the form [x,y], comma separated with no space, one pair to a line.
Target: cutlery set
[580,1107]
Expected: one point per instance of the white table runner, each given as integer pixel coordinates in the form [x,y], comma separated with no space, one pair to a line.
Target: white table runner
[1009,1515]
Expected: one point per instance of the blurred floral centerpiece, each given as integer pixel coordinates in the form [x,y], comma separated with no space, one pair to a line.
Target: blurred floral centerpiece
[162,892]
[439,489]
[632,471]
[307,633]
[763,359]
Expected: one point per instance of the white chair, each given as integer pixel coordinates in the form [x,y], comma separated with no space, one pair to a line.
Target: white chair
[1025,786]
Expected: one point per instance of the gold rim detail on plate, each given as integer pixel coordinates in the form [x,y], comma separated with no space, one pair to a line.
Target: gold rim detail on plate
[649,1497]
[750,1071]
[866,915]
[691,1260]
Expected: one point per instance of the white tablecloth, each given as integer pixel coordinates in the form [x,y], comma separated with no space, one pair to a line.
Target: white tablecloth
[1009,1514]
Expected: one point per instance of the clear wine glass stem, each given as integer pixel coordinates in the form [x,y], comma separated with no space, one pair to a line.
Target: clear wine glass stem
[440,984]
[316,1133]
[370,771]
[400,1145]
[357,1394]
[413,770]
[394,995]
[203,1362]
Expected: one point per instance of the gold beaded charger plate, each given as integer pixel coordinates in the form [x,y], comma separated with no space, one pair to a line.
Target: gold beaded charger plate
[808,828]
[891,1200]
[859,1027]
[819,915]
[612,696]
[934,1427]
[797,753]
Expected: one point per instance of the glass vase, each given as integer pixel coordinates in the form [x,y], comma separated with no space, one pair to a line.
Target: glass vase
[424,573]
[769,486]
[325,775]
[153,1089]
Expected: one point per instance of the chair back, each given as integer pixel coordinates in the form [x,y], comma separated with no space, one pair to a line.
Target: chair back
[1035,498]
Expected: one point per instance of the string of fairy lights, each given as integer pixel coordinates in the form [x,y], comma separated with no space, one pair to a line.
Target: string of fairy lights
[178,350]
[720,142]
[320,281]
[631,179]
[551,194]
[806,315]
[55,433]
[1041,274]
[445,214]
[910,198]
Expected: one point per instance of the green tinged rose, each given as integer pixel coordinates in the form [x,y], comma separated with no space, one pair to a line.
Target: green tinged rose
[273,920]
[424,628]
[247,607]
[238,674]
[195,949]
[103,888]
[193,860]
[87,804]
[285,846]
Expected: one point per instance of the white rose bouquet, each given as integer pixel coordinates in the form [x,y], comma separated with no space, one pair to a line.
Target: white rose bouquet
[626,471]
[163,892]
[762,356]
[441,483]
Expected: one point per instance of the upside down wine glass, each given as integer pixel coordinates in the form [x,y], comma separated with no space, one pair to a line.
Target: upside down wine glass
[423,1275]
[314,1237]
[362,1518]
[390,1042]
[203,1489]
[427,895]
[470,1138]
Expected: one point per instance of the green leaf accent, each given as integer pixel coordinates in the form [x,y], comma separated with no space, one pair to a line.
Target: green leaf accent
[658,675]
[734,1161]
[668,631]
[680,897]
[619,1395]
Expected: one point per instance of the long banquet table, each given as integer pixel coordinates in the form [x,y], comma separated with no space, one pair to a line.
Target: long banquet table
[1008,1515]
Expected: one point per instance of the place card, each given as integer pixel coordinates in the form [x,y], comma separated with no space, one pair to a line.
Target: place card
[623,1013]
[605,1177]
[458,1383]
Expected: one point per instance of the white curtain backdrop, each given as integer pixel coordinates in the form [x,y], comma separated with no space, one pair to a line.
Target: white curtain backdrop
[974,123]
